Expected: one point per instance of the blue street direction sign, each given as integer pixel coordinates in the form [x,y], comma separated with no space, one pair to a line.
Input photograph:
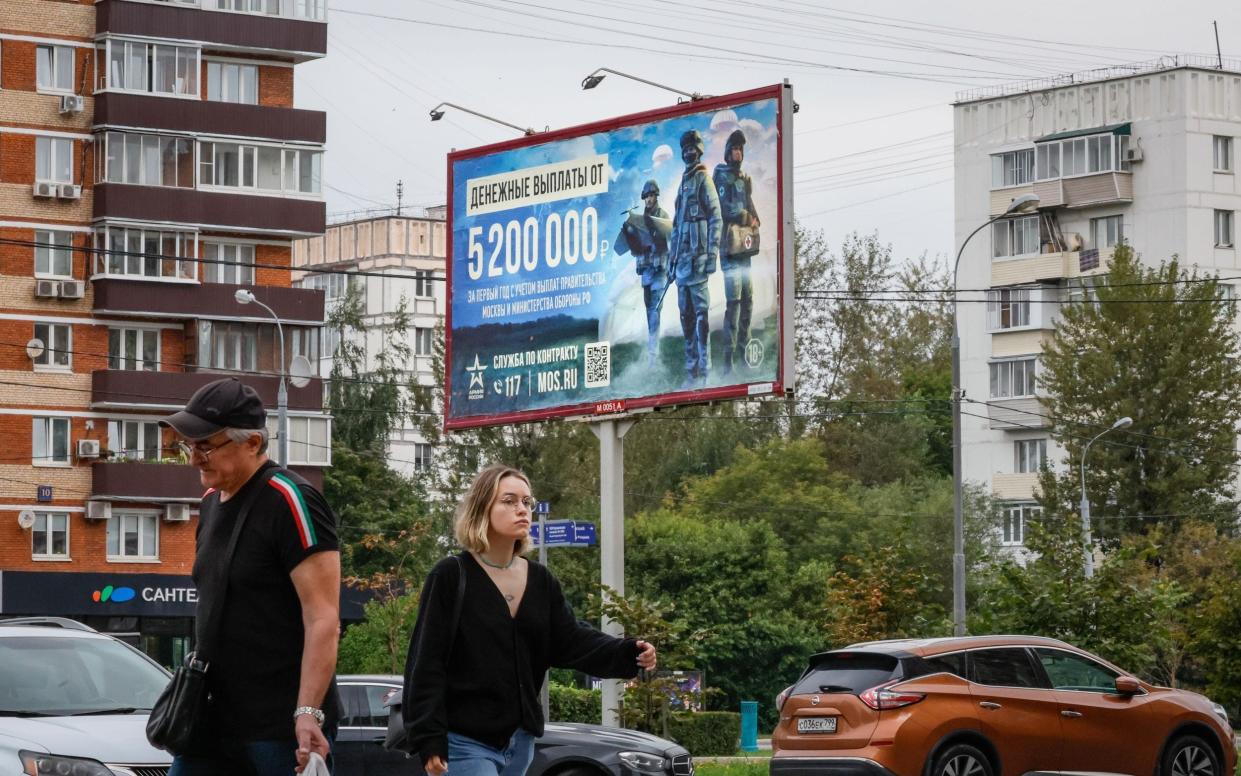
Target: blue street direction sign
[565,533]
[543,508]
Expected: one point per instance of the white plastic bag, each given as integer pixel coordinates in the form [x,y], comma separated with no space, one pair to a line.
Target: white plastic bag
[316,766]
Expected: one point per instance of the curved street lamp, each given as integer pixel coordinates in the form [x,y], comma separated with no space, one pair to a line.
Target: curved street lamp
[245,296]
[1088,565]
[1022,204]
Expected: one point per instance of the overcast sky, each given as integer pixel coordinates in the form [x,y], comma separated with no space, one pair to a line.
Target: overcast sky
[873,139]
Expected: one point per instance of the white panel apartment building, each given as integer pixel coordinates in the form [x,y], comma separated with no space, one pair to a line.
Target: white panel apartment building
[1145,154]
[410,251]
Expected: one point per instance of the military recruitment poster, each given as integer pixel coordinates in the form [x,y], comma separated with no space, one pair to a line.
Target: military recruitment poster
[642,261]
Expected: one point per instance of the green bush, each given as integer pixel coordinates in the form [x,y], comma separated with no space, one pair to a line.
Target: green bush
[570,704]
[706,733]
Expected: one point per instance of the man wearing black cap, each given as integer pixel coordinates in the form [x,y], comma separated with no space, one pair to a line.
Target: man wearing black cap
[276,613]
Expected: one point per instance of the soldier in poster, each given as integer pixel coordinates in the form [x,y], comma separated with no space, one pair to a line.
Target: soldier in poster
[645,235]
[695,254]
[739,244]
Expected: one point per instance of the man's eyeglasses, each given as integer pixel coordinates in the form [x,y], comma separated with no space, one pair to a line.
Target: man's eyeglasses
[512,502]
[189,451]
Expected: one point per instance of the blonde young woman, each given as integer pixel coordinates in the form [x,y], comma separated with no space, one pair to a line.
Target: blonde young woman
[472,698]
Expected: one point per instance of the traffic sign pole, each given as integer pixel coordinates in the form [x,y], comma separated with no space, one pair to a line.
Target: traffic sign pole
[545,692]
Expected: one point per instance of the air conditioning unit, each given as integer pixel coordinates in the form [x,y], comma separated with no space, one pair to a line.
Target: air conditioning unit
[44,189]
[47,289]
[88,448]
[72,289]
[72,103]
[177,513]
[99,510]
[68,191]
[1133,154]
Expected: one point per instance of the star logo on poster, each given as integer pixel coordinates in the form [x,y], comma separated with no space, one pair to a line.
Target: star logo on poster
[476,372]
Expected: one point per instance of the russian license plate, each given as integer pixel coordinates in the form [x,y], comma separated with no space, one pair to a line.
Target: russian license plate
[816,725]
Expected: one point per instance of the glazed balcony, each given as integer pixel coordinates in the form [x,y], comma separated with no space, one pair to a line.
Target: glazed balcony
[154,298]
[284,35]
[224,119]
[129,389]
[279,216]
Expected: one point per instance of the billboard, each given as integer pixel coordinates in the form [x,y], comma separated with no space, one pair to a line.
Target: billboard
[623,264]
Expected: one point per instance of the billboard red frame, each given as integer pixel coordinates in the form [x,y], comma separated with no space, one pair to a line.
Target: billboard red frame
[784,373]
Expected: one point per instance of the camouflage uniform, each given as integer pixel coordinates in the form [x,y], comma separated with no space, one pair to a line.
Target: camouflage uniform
[695,253]
[648,235]
[735,189]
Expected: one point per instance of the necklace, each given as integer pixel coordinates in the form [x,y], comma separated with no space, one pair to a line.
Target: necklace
[500,566]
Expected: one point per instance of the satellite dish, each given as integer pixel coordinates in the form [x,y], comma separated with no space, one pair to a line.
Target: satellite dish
[25,519]
[300,371]
[34,348]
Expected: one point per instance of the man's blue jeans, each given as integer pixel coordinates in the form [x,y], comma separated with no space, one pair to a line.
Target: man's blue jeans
[467,757]
[259,758]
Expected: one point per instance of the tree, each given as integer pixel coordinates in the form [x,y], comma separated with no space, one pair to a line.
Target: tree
[1157,345]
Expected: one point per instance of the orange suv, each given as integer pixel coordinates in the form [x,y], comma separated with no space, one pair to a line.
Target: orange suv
[990,706]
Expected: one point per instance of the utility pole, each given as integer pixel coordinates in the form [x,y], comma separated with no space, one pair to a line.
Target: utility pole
[1218,56]
[400,193]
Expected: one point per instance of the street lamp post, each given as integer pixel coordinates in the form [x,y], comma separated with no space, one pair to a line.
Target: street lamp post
[437,114]
[1022,204]
[595,78]
[1088,563]
[245,296]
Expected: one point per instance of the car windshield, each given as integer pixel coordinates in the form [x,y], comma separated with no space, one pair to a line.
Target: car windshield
[847,672]
[57,676]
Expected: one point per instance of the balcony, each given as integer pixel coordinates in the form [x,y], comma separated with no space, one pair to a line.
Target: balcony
[281,216]
[116,109]
[1104,188]
[123,389]
[1017,414]
[1045,267]
[155,299]
[1009,487]
[287,38]
[142,481]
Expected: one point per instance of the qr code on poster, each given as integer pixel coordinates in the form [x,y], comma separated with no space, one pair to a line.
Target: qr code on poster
[598,364]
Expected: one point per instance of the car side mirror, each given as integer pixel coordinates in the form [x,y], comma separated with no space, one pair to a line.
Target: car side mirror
[1127,685]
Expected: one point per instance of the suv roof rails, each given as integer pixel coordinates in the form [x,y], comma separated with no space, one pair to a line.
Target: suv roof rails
[50,622]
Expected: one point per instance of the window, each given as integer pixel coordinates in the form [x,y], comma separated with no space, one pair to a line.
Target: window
[422,457]
[1107,232]
[1013,523]
[57,345]
[333,285]
[1015,237]
[315,10]
[50,537]
[137,66]
[231,82]
[53,254]
[953,664]
[423,279]
[53,159]
[310,439]
[1008,308]
[1048,165]
[145,160]
[1068,671]
[54,68]
[133,349]
[51,441]
[1003,667]
[1029,455]
[133,536]
[1013,168]
[1223,229]
[1221,152]
[134,440]
[1012,379]
[856,671]
[236,263]
[267,168]
[232,346]
[148,253]
[424,341]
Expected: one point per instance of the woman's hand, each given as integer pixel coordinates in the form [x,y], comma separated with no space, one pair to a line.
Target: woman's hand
[436,766]
[646,658]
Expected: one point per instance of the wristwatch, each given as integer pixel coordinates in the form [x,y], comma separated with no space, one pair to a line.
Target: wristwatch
[312,711]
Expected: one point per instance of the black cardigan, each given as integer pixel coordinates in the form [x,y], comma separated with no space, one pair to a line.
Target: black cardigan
[489,686]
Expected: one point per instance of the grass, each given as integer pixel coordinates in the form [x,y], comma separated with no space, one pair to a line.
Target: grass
[754,767]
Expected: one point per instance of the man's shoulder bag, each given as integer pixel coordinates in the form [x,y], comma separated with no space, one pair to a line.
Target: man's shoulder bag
[178,720]
[396,739]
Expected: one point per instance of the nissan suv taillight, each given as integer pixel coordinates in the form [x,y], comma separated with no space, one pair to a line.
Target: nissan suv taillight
[881,698]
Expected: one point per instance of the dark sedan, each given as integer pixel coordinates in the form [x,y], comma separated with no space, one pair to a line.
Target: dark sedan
[566,748]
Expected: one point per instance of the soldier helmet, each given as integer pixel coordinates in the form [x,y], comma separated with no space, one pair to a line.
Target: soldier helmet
[651,187]
[737,138]
[693,138]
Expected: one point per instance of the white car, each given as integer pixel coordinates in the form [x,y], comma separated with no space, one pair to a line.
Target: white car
[74,701]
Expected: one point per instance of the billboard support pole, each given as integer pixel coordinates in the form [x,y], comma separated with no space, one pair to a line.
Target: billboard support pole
[611,434]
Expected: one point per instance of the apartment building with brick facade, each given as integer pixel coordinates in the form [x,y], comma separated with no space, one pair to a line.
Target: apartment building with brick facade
[151,164]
